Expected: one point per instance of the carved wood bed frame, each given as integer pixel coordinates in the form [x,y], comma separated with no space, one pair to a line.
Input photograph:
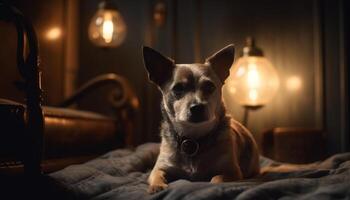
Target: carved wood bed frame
[36,139]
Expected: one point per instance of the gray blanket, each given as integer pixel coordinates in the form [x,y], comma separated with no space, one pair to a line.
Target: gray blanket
[122,174]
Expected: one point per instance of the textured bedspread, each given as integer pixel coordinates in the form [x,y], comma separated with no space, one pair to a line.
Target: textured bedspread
[122,174]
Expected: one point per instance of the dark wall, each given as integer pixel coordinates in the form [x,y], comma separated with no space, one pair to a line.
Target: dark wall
[346,22]
[335,69]
[44,15]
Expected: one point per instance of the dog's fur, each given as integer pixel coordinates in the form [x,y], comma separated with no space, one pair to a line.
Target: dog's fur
[227,151]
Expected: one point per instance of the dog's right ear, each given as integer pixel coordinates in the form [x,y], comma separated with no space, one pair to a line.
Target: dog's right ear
[159,67]
[221,61]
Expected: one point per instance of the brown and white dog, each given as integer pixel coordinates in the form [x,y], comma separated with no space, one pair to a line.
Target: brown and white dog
[199,141]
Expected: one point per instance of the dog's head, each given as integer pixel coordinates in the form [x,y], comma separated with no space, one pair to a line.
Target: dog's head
[191,92]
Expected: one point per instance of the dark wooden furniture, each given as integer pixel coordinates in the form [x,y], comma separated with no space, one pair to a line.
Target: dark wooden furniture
[294,145]
[30,85]
[70,136]
[36,139]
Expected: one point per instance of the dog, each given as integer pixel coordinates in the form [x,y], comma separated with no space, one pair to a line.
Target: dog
[199,141]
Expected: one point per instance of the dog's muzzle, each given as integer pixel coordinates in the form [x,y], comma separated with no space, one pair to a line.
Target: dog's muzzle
[198,113]
[189,147]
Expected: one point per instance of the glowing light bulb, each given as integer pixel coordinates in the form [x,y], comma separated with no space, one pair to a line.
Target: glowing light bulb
[107,27]
[252,76]
[253,94]
[253,80]
[240,71]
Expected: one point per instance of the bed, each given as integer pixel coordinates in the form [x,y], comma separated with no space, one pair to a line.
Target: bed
[122,174]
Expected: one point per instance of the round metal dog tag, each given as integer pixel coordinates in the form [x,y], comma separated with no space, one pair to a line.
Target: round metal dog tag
[189,147]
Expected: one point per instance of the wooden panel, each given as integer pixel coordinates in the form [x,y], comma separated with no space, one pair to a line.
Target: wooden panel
[346,23]
[335,75]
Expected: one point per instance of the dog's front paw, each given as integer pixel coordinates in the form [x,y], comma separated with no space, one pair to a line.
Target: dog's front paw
[217,179]
[156,188]
[223,178]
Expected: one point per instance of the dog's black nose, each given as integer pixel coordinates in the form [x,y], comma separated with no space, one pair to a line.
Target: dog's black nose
[197,108]
[198,113]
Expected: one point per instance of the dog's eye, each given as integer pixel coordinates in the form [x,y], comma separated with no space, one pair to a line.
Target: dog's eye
[178,89]
[208,87]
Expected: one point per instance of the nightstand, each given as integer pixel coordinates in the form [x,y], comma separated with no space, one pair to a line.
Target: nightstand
[294,145]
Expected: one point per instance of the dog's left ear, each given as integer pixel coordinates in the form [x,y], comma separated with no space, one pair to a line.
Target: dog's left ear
[221,61]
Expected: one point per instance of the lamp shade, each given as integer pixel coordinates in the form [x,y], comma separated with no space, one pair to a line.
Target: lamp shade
[253,81]
[107,27]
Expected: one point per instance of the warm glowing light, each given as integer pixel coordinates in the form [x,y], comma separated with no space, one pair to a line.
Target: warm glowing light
[240,71]
[253,94]
[252,76]
[107,28]
[232,90]
[294,83]
[53,33]
[253,81]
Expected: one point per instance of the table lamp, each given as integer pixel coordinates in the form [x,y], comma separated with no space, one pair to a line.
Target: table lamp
[253,80]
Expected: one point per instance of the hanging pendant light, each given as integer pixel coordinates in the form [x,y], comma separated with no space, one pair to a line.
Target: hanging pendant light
[107,27]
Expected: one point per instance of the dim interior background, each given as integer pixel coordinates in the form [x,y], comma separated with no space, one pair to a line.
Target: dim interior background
[306,40]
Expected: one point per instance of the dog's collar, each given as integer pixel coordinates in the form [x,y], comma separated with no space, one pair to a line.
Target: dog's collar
[188,146]
[191,147]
